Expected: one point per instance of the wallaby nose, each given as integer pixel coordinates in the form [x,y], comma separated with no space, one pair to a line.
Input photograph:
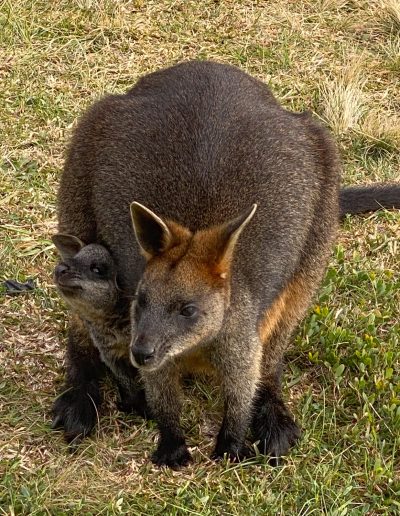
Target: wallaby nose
[61,269]
[142,350]
[142,357]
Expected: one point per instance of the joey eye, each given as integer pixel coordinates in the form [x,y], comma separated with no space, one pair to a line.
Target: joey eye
[188,311]
[99,271]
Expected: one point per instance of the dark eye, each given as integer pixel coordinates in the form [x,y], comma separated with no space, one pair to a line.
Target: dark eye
[98,270]
[188,311]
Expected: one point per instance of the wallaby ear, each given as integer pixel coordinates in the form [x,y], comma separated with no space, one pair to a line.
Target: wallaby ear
[68,245]
[151,232]
[227,239]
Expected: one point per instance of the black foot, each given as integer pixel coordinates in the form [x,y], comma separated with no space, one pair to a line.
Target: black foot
[174,456]
[273,426]
[228,447]
[134,404]
[75,411]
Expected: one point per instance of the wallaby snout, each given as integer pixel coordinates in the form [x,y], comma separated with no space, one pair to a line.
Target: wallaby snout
[61,269]
[66,277]
[142,351]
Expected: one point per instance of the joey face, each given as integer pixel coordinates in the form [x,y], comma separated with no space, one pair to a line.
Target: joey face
[183,296]
[86,276]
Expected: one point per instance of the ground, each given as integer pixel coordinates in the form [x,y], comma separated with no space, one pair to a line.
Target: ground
[339,59]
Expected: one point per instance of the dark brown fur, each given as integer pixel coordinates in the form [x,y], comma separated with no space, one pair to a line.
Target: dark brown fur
[198,144]
[99,334]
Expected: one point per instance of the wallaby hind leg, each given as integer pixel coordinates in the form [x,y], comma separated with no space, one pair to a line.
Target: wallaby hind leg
[272,425]
[75,409]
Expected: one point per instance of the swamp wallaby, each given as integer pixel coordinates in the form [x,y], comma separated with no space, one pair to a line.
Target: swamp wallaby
[87,280]
[237,204]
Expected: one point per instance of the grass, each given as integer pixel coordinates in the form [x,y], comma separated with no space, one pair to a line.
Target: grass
[337,58]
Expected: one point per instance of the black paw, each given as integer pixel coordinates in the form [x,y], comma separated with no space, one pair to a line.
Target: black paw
[232,454]
[228,447]
[134,404]
[274,429]
[173,456]
[75,411]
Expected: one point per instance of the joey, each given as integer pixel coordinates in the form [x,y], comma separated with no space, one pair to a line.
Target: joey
[87,280]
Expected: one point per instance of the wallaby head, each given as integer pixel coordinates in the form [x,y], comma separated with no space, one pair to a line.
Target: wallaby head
[184,292]
[86,276]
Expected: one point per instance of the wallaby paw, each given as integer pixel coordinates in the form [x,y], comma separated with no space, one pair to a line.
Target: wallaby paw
[74,411]
[228,448]
[231,455]
[174,457]
[275,430]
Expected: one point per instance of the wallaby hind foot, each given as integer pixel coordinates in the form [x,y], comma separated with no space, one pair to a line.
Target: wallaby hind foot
[272,425]
[76,408]
[171,454]
[76,411]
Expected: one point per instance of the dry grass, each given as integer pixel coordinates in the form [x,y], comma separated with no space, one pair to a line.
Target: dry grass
[381,129]
[343,99]
[391,11]
[337,58]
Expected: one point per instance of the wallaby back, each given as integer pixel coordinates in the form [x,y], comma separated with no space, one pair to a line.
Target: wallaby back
[198,144]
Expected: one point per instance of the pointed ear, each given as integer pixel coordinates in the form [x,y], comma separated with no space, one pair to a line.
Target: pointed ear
[151,232]
[227,239]
[68,245]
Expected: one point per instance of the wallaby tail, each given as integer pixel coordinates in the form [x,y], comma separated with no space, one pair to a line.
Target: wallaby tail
[360,199]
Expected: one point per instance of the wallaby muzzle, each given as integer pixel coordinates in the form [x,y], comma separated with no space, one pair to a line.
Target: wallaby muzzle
[142,352]
[65,277]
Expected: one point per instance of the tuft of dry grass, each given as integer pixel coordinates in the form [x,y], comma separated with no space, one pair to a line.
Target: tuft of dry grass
[343,104]
[381,129]
[391,11]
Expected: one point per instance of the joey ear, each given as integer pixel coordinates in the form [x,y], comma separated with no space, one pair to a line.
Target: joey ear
[227,239]
[117,283]
[151,232]
[68,245]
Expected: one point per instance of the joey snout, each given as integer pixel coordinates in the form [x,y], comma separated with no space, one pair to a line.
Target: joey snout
[61,269]
[65,276]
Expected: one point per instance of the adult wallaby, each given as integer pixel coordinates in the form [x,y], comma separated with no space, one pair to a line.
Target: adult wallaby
[237,204]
